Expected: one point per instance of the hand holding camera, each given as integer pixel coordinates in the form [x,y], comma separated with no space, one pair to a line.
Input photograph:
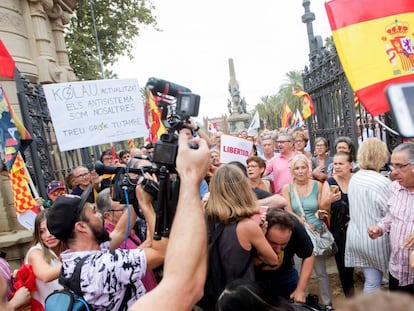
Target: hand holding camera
[146,189]
[192,164]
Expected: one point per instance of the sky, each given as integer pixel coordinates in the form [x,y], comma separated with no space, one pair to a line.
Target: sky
[265,38]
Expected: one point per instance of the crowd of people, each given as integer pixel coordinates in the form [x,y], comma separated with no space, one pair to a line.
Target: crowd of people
[258,211]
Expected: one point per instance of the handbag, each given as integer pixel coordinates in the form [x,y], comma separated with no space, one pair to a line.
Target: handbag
[322,239]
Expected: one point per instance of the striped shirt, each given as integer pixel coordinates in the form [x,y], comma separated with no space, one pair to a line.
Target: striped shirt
[399,222]
[368,197]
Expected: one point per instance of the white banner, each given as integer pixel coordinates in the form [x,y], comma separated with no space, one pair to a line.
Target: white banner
[91,113]
[234,149]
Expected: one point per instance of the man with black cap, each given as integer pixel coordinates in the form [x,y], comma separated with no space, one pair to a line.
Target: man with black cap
[105,274]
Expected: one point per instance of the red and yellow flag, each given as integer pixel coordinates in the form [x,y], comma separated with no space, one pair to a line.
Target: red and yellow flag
[307,103]
[154,123]
[23,199]
[286,114]
[374,40]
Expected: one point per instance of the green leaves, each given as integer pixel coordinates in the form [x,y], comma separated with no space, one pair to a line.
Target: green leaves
[117,23]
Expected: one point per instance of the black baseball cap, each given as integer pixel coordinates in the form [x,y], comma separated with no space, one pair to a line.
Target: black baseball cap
[64,213]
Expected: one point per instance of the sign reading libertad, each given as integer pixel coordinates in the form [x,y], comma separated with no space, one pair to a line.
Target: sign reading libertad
[95,112]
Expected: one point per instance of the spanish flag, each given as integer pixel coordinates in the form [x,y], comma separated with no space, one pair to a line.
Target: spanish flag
[286,114]
[154,122]
[307,103]
[374,40]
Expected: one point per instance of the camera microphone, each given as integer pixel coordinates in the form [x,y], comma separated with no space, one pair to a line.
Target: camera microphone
[165,87]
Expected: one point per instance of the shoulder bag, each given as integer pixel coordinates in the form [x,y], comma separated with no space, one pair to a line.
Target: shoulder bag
[322,239]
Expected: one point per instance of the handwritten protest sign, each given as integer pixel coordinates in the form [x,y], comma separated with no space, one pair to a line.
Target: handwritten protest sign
[234,149]
[95,112]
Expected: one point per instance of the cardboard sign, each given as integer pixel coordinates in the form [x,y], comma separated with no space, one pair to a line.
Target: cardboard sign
[91,113]
[234,149]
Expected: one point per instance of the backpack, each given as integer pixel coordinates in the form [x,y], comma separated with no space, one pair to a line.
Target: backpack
[70,297]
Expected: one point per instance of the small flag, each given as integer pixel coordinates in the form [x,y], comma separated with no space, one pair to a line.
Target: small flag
[211,127]
[286,114]
[374,40]
[155,125]
[6,61]
[24,203]
[131,144]
[13,135]
[255,124]
[307,103]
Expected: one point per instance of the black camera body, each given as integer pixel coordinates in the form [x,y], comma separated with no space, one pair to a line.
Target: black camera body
[178,104]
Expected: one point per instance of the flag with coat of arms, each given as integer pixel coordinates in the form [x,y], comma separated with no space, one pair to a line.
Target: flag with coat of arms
[375,44]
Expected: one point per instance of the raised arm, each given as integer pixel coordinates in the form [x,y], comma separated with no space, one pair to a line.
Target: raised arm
[41,269]
[185,265]
[275,200]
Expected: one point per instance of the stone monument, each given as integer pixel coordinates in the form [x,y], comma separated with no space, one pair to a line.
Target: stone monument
[239,118]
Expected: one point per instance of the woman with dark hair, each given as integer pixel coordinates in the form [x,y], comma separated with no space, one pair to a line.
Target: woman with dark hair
[339,220]
[321,160]
[255,169]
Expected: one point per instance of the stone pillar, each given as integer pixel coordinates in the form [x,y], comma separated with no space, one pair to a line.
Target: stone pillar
[33,33]
[14,34]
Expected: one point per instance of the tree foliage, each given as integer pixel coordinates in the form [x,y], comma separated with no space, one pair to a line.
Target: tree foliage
[117,22]
[270,108]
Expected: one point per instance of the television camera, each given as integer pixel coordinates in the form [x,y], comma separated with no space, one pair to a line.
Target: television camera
[177,105]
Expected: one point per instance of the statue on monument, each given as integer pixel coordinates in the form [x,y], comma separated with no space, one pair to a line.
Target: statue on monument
[235,105]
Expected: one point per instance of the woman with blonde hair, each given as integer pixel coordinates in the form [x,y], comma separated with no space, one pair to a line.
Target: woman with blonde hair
[303,196]
[43,256]
[368,197]
[231,205]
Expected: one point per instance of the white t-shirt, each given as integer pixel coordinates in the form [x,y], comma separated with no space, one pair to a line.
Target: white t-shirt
[43,289]
[105,275]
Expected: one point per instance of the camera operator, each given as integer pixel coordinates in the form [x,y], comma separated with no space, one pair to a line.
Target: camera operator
[185,261]
[190,128]
[118,272]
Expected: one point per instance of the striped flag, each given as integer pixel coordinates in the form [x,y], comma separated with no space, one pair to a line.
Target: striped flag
[13,135]
[286,114]
[154,123]
[374,40]
[307,103]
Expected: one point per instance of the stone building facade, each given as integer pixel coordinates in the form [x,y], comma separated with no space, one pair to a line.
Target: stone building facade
[33,33]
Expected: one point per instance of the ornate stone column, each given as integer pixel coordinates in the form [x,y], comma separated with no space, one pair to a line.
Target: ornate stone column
[33,32]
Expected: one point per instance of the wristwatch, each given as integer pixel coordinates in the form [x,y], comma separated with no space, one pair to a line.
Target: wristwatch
[197,129]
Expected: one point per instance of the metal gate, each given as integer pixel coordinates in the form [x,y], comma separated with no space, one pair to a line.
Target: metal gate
[43,159]
[337,111]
